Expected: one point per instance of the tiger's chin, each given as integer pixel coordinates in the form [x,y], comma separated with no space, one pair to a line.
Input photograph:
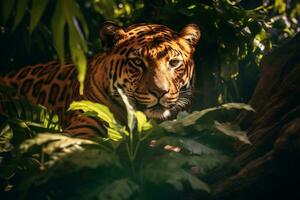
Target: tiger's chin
[159,115]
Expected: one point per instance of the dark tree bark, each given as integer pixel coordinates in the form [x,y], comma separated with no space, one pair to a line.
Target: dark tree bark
[270,166]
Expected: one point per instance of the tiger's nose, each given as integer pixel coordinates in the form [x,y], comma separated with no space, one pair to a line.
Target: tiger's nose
[158,92]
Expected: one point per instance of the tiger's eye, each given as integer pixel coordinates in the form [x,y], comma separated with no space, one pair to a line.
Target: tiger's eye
[137,61]
[174,63]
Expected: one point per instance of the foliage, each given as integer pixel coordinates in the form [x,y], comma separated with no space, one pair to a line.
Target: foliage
[67,16]
[22,114]
[235,35]
[140,160]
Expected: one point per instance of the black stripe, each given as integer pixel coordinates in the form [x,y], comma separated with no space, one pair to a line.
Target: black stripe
[37,88]
[46,70]
[115,71]
[73,75]
[123,51]
[63,94]
[54,91]
[36,70]
[41,98]
[121,67]
[51,75]
[128,52]
[64,73]
[23,73]
[26,86]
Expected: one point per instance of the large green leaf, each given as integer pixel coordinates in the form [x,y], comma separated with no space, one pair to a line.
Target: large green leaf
[58,30]
[168,169]
[67,16]
[63,141]
[142,123]
[62,149]
[115,130]
[196,148]
[20,12]
[37,9]
[233,131]
[201,119]
[7,7]
[205,164]
[99,110]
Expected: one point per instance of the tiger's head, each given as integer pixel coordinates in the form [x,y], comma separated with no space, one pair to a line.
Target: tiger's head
[152,64]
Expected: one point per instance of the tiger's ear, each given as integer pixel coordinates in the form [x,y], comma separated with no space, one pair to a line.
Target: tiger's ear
[191,33]
[110,33]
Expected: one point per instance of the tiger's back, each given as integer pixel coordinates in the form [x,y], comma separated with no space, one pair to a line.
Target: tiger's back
[52,85]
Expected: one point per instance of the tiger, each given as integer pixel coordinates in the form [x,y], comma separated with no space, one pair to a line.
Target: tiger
[152,64]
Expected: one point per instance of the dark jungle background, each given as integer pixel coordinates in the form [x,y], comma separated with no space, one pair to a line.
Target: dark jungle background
[235,36]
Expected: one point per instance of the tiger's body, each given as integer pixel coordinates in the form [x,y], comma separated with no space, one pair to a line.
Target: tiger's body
[52,85]
[152,64]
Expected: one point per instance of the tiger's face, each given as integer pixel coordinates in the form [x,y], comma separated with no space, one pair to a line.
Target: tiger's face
[153,65]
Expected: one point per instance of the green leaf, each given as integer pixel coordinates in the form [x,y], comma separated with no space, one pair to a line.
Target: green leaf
[78,48]
[233,131]
[20,12]
[7,7]
[87,157]
[67,14]
[21,114]
[37,9]
[240,106]
[205,164]
[114,134]
[79,152]
[178,125]
[115,131]
[63,142]
[120,189]
[106,8]
[168,169]
[197,148]
[280,5]
[142,123]
[5,146]
[100,110]
[6,132]
[58,26]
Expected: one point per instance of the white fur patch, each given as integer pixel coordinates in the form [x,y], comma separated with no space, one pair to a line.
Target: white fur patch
[166,113]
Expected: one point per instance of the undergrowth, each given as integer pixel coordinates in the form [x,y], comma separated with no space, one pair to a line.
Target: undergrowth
[137,160]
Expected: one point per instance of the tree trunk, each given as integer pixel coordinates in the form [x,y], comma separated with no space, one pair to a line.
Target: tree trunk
[270,166]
